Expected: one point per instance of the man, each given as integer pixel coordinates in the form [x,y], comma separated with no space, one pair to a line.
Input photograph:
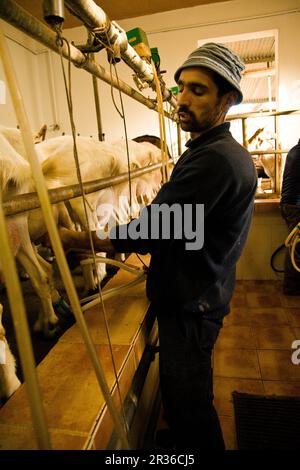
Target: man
[191,284]
[290,211]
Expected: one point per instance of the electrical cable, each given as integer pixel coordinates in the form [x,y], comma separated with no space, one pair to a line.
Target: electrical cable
[122,114]
[278,250]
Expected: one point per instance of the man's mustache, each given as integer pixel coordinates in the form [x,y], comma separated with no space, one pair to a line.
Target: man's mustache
[184,109]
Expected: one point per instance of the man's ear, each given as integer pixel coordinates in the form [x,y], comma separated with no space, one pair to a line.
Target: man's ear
[230,99]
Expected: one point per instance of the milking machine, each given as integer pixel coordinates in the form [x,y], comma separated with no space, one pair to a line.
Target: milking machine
[291,243]
[53,11]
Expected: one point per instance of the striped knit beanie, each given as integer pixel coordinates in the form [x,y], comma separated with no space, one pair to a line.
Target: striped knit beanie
[221,60]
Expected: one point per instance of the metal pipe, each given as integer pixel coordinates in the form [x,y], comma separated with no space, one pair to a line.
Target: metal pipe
[262,114]
[244,132]
[21,19]
[96,20]
[97,106]
[257,73]
[270,92]
[108,294]
[21,328]
[30,201]
[53,11]
[179,139]
[267,152]
[276,175]
[53,98]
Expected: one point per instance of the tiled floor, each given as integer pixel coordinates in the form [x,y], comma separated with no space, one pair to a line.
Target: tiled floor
[253,351]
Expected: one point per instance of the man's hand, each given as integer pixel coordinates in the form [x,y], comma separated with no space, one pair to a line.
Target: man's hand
[74,240]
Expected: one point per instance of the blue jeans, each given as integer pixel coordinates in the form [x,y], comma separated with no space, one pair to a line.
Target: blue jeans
[186,342]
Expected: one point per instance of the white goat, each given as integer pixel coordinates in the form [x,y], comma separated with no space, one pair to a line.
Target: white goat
[9,381]
[13,135]
[15,178]
[97,160]
[143,188]
[100,160]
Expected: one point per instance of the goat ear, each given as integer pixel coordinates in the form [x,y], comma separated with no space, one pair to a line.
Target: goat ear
[41,135]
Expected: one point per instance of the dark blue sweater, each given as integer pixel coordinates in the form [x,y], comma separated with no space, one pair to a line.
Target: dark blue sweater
[290,192]
[218,172]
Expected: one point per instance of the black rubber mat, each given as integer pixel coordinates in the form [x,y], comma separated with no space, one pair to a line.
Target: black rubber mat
[267,422]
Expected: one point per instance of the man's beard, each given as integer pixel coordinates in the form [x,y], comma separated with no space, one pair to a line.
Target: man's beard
[193,125]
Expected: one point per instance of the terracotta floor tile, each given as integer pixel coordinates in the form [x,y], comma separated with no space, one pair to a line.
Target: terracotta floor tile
[23,438]
[242,363]
[293,315]
[238,316]
[239,287]
[276,337]
[223,388]
[277,365]
[254,299]
[290,300]
[297,333]
[268,316]
[261,287]
[229,433]
[274,387]
[236,337]
[238,300]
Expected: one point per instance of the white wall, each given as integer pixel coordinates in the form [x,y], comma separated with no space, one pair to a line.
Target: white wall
[139,119]
[268,231]
[26,64]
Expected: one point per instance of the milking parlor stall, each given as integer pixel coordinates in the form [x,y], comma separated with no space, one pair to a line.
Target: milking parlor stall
[88,135]
[96,388]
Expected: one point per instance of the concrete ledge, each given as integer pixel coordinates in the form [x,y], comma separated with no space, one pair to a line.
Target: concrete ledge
[74,405]
[266,205]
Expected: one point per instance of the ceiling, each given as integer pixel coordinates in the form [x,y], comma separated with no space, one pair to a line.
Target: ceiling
[119,9]
[258,54]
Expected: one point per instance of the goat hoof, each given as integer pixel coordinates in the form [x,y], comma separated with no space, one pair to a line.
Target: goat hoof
[53,331]
[63,309]
[50,332]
